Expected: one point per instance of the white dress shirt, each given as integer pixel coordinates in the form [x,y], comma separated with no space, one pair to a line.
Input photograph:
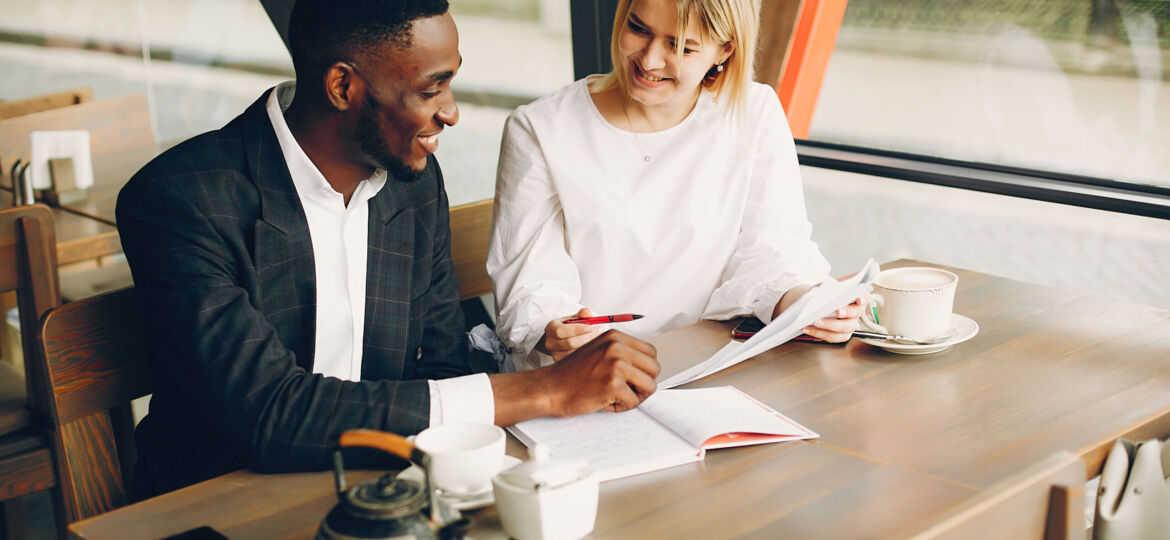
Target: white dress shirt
[713,226]
[339,235]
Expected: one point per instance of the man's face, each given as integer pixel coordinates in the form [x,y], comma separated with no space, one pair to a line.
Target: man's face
[408,98]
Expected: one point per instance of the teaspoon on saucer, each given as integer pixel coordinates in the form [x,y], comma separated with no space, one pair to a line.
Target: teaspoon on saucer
[903,339]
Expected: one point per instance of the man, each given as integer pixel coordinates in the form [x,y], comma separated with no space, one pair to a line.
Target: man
[295,273]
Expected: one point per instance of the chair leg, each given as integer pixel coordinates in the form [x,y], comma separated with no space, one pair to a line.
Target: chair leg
[12,519]
[60,516]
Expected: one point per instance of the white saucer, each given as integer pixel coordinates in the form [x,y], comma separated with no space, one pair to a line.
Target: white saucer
[962,329]
[469,501]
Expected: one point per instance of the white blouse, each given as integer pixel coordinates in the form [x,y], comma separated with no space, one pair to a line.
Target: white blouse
[713,226]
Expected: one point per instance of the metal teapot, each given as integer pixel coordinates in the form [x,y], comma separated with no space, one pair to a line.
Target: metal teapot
[388,507]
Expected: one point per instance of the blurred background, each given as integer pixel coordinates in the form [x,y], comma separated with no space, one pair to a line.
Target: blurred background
[1073,86]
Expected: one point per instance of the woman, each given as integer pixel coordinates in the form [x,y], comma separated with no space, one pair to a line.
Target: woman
[668,187]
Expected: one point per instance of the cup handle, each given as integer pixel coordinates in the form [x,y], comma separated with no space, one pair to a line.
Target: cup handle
[872,315]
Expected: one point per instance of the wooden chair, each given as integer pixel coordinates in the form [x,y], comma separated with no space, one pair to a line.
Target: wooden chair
[114,124]
[471,230]
[28,266]
[95,359]
[45,102]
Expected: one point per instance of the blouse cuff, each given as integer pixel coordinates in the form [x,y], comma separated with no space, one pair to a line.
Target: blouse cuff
[769,294]
[524,335]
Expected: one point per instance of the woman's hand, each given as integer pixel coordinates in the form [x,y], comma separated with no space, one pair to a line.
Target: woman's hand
[560,339]
[839,326]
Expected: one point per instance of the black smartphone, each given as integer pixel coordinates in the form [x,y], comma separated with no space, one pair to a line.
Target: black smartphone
[747,328]
[201,533]
[750,325]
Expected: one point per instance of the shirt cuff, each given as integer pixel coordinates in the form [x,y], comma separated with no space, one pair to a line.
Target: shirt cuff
[462,399]
[766,299]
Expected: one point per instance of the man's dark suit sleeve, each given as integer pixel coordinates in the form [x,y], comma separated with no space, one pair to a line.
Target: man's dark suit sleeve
[220,353]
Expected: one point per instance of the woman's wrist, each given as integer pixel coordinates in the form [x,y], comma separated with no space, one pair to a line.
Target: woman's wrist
[789,298]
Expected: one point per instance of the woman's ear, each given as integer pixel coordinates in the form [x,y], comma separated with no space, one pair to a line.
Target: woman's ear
[342,86]
[728,49]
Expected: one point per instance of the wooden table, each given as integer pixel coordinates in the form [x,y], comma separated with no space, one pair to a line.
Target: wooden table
[962,443]
[79,238]
[111,172]
[86,228]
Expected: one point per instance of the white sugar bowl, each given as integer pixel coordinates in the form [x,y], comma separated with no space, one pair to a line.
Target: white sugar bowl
[546,498]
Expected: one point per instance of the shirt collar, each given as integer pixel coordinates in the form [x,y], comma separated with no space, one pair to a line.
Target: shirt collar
[307,178]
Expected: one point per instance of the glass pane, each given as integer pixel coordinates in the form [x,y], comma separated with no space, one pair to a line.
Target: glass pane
[1078,249]
[1076,86]
[514,51]
[210,60]
[50,46]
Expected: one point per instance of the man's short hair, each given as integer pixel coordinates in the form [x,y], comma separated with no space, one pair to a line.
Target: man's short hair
[322,32]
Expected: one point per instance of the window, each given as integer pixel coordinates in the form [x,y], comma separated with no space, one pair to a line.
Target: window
[1076,87]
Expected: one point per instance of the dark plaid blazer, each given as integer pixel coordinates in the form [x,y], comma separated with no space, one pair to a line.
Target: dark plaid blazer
[223,263]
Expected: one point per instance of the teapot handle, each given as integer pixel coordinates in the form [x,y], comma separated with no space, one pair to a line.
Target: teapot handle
[386,442]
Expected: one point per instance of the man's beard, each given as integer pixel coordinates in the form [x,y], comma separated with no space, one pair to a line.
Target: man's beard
[370,143]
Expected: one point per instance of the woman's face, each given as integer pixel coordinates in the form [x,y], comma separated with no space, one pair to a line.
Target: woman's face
[656,74]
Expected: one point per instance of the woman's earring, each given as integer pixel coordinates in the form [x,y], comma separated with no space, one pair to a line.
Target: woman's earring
[719,68]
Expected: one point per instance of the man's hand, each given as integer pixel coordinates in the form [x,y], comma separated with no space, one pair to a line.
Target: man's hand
[615,372]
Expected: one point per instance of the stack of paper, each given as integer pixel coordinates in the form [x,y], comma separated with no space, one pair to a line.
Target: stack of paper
[818,302]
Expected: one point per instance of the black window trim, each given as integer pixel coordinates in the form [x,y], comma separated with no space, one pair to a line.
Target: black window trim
[1048,186]
[591,27]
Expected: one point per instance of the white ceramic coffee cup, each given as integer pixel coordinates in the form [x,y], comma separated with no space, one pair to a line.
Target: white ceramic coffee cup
[464,456]
[915,302]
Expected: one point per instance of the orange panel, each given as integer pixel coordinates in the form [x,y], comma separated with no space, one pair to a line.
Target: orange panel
[808,58]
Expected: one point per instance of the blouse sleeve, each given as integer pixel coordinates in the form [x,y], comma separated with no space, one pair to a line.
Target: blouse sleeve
[533,277]
[774,251]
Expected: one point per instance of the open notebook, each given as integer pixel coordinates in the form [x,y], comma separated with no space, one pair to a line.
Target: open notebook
[671,428]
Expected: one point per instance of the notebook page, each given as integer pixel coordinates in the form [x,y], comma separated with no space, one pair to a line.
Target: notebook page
[722,417]
[616,445]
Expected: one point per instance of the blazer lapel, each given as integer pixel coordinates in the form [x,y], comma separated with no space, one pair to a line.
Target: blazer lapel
[389,271]
[283,252]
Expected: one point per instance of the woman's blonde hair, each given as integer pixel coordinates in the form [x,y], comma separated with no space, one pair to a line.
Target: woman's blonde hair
[724,21]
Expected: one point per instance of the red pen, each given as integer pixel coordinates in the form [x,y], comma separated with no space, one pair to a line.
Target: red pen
[603,319]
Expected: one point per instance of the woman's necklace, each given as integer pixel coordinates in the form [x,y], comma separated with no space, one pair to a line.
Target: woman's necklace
[646,156]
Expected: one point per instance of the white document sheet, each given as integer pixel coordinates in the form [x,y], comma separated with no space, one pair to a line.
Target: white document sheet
[818,302]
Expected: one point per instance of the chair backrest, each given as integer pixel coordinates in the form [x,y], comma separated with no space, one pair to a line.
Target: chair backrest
[95,356]
[28,265]
[45,102]
[471,230]
[114,124]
